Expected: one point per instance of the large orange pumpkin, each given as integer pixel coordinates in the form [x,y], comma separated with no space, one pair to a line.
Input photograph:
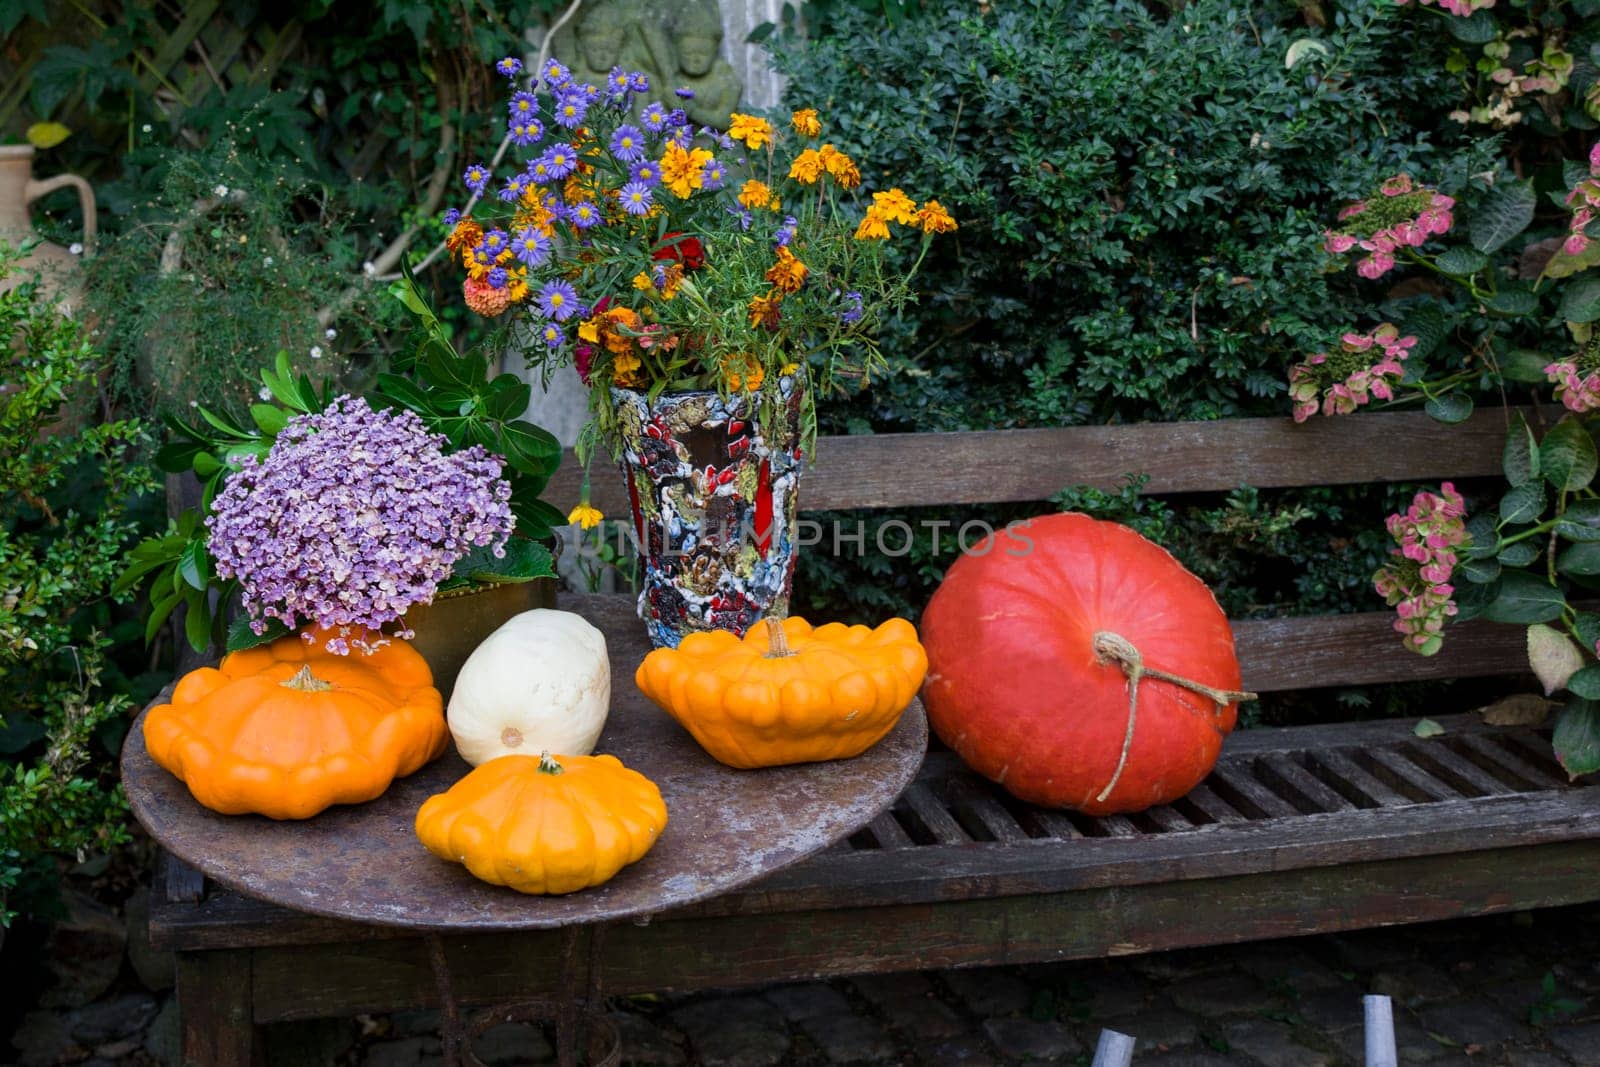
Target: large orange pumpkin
[1039,639]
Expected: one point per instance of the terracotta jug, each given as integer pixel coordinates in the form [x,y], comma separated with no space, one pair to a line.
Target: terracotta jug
[57,267]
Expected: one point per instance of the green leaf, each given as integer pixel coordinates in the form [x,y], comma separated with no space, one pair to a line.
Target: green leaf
[1429,325]
[1513,303]
[1480,570]
[194,566]
[1519,555]
[1462,261]
[1525,503]
[1567,455]
[1483,538]
[1506,209]
[1426,728]
[1580,522]
[1587,624]
[1524,598]
[1585,682]
[197,620]
[205,464]
[1477,28]
[523,561]
[1520,459]
[1577,738]
[241,636]
[1580,561]
[1580,300]
[269,418]
[404,392]
[1450,408]
[1525,364]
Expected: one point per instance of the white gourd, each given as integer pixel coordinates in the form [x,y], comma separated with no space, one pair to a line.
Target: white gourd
[540,683]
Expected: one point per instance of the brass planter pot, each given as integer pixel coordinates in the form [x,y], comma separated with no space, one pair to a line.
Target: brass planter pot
[455,623]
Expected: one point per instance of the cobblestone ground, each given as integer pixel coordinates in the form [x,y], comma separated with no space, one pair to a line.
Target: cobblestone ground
[1522,990]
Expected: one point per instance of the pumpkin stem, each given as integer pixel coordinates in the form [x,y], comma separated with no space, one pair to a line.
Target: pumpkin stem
[777,640]
[306,682]
[548,764]
[1112,647]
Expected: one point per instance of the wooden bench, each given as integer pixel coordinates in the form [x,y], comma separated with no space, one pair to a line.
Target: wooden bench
[1299,830]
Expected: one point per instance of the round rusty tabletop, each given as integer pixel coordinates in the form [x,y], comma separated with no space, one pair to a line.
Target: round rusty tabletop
[725,829]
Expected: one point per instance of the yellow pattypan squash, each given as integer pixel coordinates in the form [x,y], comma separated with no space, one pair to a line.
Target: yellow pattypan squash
[788,693]
[547,824]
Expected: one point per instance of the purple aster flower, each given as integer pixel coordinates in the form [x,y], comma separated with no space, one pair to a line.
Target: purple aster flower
[636,198]
[476,177]
[523,106]
[678,117]
[712,175]
[452,216]
[351,518]
[562,159]
[785,232]
[617,80]
[531,247]
[638,81]
[512,191]
[583,214]
[553,335]
[590,93]
[627,144]
[646,172]
[496,278]
[742,214]
[494,242]
[510,66]
[558,300]
[555,74]
[681,136]
[525,132]
[570,107]
[852,311]
[480,257]
[722,140]
[538,170]
[654,117]
[684,93]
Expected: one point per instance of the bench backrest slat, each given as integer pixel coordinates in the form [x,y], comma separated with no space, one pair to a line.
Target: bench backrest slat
[1011,466]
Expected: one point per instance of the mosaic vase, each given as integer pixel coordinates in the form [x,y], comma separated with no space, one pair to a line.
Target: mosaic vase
[713,503]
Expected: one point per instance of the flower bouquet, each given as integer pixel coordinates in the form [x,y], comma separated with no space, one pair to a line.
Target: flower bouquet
[706,285]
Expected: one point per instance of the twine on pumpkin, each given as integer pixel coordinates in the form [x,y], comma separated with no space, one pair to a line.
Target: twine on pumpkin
[1112,647]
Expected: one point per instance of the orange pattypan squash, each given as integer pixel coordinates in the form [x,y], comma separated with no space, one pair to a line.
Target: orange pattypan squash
[789,693]
[287,729]
[548,824]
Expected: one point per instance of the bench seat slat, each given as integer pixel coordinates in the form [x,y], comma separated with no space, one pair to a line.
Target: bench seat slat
[1486,750]
[968,796]
[1359,778]
[1291,775]
[926,807]
[1235,783]
[1212,806]
[1461,773]
[1406,776]
[888,833]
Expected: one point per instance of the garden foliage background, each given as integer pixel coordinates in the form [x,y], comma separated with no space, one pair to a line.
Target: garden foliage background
[1142,190]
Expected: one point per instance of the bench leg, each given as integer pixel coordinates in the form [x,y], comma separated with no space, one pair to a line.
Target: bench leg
[215,1011]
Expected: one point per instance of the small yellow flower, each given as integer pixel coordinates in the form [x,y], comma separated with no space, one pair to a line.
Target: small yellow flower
[788,369]
[841,166]
[755,194]
[805,122]
[586,515]
[642,282]
[896,206]
[754,132]
[873,227]
[933,218]
[683,171]
[743,371]
[625,368]
[590,330]
[807,167]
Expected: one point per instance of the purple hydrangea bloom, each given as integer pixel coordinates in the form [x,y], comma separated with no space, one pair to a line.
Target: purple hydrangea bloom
[654,117]
[646,173]
[354,516]
[627,144]
[530,247]
[476,177]
[510,66]
[558,300]
[636,198]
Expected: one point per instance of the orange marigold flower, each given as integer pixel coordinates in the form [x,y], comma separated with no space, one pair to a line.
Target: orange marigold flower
[625,369]
[764,310]
[805,122]
[467,233]
[840,166]
[754,132]
[755,194]
[788,274]
[933,218]
[743,371]
[895,206]
[807,166]
[873,227]
[484,298]
[683,171]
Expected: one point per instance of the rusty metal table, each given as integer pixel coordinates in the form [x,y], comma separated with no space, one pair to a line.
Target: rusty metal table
[726,828]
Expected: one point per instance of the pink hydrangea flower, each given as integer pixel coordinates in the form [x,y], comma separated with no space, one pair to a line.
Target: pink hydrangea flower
[1366,365]
[1416,581]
